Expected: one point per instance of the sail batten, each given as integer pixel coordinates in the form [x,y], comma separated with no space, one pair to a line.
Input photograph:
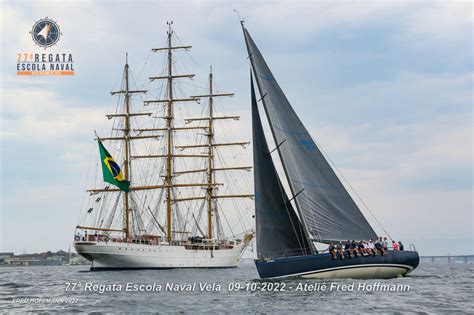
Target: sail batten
[327,210]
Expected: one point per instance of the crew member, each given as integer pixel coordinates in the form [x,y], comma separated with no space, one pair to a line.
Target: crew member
[339,249]
[332,250]
[394,245]
[400,245]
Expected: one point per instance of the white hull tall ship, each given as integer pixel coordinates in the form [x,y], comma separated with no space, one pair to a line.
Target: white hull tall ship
[163,256]
[168,203]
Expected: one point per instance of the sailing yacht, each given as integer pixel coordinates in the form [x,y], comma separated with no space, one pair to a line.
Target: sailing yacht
[158,215]
[319,209]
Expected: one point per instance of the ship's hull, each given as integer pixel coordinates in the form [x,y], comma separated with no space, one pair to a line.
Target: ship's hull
[120,256]
[322,266]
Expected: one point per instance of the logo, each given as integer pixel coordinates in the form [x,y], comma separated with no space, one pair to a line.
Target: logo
[45,33]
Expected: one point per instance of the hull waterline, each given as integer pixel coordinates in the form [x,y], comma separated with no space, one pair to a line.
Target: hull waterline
[322,266]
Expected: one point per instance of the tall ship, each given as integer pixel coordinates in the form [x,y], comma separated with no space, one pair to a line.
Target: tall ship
[308,205]
[165,204]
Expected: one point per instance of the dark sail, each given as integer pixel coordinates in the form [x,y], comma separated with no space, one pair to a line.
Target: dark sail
[279,231]
[327,209]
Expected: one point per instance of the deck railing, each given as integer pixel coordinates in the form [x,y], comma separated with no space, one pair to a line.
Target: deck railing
[156,240]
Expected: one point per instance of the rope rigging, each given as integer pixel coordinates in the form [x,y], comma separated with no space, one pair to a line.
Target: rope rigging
[147,207]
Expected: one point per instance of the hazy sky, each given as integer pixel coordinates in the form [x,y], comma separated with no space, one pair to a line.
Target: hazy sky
[386,88]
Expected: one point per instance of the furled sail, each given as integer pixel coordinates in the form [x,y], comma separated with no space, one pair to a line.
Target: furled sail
[279,231]
[327,209]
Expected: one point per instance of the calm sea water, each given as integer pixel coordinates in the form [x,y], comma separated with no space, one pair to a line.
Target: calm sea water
[439,288]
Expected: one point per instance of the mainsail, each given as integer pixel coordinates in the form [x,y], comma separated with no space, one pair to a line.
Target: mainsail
[279,231]
[328,211]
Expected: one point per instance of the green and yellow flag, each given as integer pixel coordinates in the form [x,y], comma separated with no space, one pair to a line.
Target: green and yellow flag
[111,170]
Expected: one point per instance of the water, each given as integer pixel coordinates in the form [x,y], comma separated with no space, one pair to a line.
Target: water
[433,288]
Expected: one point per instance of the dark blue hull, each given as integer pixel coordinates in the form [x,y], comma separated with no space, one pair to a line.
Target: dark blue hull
[394,264]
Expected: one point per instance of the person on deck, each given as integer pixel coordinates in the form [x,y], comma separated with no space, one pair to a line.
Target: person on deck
[379,247]
[355,252]
[362,249]
[339,249]
[332,250]
[347,248]
[367,248]
[372,248]
[400,245]
[385,244]
[380,240]
[395,245]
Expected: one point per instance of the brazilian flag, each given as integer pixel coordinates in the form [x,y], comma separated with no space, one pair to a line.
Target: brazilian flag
[111,170]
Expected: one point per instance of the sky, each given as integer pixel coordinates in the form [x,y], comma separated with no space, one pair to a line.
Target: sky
[385,88]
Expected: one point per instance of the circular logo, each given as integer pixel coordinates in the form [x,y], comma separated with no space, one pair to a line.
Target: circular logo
[45,33]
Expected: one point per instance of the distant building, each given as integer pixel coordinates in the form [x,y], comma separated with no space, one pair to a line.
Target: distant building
[5,257]
[41,259]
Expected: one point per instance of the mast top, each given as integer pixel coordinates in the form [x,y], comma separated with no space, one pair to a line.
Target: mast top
[240,19]
[97,135]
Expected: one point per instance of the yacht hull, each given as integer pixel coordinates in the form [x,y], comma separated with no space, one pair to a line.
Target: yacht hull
[120,256]
[322,266]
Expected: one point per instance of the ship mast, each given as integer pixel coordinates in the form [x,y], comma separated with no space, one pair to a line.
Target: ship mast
[126,139]
[169,156]
[169,125]
[211,144]
[210,161]
[127,165]
[169,183]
